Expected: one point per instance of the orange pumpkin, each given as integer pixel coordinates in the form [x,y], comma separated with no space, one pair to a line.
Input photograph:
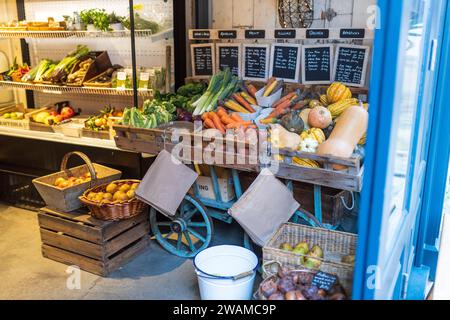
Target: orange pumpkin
[320,117]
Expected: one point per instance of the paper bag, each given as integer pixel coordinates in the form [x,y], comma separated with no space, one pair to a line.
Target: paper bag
[264,207]
[166,183]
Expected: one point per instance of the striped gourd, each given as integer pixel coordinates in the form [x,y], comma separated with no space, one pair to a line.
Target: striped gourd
[338,92]
[306,163]
[324,100]
[363,140]
[338,108]
[315,134]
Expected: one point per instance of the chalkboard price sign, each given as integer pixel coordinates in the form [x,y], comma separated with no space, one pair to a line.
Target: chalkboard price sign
[203,62]
[351,65]
[255,34]
[229,56]
[324,281]
[285,62]
[285,34]
[352,33]
[201,34]
[227,34]
[317,34]
[317,64]
[256,62]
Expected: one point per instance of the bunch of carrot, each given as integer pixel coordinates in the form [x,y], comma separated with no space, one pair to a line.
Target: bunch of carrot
[288,103]
[223,121]
[241,102]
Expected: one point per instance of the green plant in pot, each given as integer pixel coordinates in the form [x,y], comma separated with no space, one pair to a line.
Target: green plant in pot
[96,19]
[115,22]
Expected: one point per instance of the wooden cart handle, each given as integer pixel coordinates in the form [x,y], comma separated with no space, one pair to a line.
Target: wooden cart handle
[85,159]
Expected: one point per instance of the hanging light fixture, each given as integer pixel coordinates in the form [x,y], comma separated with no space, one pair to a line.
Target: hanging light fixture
[295,13]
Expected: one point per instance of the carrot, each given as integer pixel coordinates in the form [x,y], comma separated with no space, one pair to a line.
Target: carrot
[270,88]
[286,97]
[205,116]
[270,81]
[217,122]
[221,112]
[237,125]
[252,90]
[248,98]
[226,119]
[232,105]
[243,102]
[209,124]
[271,120]
[236,117]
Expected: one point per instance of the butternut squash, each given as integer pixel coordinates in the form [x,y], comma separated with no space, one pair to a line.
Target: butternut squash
[283,139]
[348,131]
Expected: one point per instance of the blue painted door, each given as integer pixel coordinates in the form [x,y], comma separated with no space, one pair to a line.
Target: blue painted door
[401,108]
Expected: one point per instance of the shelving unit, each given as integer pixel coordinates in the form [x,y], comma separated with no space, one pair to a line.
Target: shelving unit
[68,34]
[55,89]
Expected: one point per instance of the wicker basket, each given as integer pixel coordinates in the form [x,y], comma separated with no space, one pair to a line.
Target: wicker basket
[334,244]
[113,211]
[67,200]
[274,277]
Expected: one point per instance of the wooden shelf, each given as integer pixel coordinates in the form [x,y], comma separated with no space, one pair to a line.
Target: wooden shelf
[55,89]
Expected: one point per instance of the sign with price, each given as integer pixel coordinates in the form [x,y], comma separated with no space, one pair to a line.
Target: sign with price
[203,60]
[317,64]
[256,62]
[229,56]
[285,62]
[351,65]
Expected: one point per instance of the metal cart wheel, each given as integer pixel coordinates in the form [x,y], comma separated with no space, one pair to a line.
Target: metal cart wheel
[191,222]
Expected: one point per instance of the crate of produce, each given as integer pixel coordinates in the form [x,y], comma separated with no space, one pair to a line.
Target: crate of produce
[14,117]
[87,68]
[300,285]
[45,119]
[62,190]
[96,246]
[304,248]
[101,126]
[114,201]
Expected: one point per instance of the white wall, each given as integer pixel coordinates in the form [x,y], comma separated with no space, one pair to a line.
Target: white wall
[264,13]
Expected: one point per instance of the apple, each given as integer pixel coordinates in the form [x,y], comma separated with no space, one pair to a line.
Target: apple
[59,118]
[53,113]
[67,113]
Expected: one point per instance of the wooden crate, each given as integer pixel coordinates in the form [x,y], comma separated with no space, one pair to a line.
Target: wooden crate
[153,141]
[96,246]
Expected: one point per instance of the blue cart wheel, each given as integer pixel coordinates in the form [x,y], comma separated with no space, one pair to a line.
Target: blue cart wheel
[187,233]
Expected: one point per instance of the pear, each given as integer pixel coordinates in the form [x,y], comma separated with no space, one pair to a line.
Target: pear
[301,248]
[316,252]
[312,263]
[350,259]
[286,247]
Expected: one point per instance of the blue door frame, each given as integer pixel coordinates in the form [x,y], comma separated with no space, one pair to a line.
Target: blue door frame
[429,231]
[395,273]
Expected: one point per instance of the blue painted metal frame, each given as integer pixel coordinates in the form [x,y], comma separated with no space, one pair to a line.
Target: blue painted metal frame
[384,86]
[438,161]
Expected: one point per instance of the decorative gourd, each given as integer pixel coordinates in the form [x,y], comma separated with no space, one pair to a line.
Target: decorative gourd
[315,134]
[305,163]
[363,140]
[338,92]
[305,117]
[283,139]
[348,131]
[338,108]
[293,122]
[309,145]
[324,100]
[315,103]
[320,117]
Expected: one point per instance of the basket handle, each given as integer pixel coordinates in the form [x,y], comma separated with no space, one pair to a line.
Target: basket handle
[267,264]
[85,159]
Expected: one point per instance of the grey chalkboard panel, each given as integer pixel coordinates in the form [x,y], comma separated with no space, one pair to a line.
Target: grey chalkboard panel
[351,65]
[229,56]
[256,62]
[285,62]
[317,64]
[203,60]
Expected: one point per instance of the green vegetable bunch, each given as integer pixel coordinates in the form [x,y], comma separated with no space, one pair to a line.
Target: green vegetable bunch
[98,17]
[154,113]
